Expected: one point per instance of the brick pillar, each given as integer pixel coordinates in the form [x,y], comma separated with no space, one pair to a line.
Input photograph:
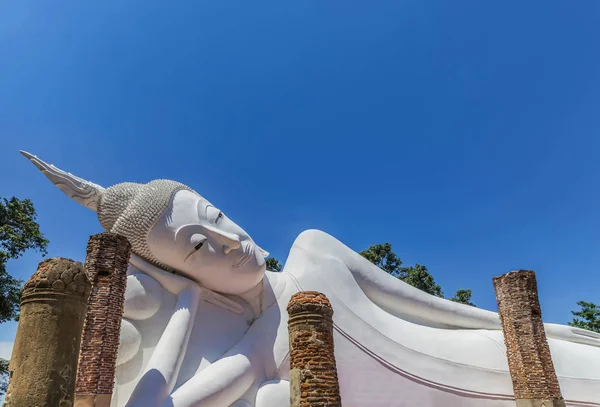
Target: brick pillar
[313,374]
[106,265]
[534,380]
[44,358]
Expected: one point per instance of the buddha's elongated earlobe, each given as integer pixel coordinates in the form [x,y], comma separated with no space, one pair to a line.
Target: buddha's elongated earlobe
[86,193]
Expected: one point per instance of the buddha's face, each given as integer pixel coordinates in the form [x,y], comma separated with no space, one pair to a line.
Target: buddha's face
[195,238]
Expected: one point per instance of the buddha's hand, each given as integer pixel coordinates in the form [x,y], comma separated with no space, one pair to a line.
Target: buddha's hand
[178,284]
[172,282]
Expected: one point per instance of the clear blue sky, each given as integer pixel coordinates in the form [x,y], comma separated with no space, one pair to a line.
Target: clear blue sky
[465,133]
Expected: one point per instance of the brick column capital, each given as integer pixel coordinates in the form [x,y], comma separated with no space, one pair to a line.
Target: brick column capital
[106,253]
[310,302]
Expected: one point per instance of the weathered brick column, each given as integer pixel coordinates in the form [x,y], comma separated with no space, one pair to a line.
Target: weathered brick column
[534,379]
[313,374]
[44,358]
[106,265]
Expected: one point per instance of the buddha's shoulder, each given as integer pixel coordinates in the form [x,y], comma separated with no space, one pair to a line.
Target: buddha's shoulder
[317,241]
[317,247]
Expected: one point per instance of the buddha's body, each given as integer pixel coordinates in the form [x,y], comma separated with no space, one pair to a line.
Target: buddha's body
[382,358]
[184,345]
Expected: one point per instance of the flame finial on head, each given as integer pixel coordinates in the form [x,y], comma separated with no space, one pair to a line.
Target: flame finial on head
[86,193]
[129,209]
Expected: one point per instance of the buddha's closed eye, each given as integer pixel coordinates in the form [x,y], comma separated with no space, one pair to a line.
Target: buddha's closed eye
[199,242]
[213,214]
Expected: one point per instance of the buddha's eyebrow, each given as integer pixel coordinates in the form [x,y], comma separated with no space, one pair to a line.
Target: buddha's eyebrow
[206,210]
[206,205]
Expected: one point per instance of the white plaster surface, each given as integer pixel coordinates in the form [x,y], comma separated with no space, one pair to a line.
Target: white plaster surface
[143,297]
[215,334]
[129,342]
[395,346]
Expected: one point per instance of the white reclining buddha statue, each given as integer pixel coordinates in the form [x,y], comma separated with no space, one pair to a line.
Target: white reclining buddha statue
[205,324]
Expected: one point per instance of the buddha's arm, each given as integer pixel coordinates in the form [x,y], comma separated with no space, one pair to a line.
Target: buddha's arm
[314,250]
[160,374]
[163,367]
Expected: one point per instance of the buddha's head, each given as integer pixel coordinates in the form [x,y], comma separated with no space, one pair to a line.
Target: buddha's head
[171,226]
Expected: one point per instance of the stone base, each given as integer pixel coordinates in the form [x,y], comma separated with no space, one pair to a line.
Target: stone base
[540,403]
[91,400]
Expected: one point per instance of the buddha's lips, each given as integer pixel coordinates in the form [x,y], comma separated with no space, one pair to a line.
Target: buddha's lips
[247,249]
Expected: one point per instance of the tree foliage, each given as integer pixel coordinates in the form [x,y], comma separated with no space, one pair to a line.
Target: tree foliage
[10,295]
[3,376]
[273,264]
[463,297]
[588,317]
[418,276]
[383,257]
[19,232]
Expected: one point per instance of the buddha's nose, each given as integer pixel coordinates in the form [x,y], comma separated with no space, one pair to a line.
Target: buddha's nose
[229,241]
[227,249]
[232,242]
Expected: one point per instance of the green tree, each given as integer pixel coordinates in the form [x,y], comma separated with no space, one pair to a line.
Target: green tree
[383,257]
[588,317]
[19,232]
[463,297]
[3,376]
[418,276]
[273,264]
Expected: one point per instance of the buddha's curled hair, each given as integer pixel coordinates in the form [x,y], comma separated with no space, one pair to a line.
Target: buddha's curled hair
[131,209]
